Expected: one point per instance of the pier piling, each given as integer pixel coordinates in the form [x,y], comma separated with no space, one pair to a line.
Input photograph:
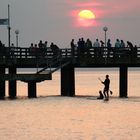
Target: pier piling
[32,89]
[68,81]
[2,84]
[123,81]
[12,83]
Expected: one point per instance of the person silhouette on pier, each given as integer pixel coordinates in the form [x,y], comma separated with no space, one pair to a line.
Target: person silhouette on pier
[73,46]
[109,47]
[106,87]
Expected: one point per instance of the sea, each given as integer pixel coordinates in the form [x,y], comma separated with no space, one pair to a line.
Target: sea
[83,117]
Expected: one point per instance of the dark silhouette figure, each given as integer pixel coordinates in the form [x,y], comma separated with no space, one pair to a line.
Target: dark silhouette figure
[73,46]
[102,43]
[117,43]
[109,47]
[106,87]
[1,49]
[122,44]
[55,49]
[96,46]
[88,44]
[32,50]
[45,44]
[40,44]
[100,95]
[129,44]
[1,43]
[133,50]
[81,47]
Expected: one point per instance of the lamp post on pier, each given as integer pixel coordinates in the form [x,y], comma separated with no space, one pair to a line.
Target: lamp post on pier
[17,33]
[105,29]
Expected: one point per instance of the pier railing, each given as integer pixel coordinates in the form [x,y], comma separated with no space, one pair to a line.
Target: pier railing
[98,54]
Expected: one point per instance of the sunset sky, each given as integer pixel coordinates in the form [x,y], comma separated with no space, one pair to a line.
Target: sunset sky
[58,21]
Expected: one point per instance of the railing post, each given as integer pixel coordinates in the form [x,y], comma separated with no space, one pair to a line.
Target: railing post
[26,52]
[20,50]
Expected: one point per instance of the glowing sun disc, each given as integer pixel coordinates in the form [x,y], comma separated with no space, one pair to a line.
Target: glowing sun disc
[86,14]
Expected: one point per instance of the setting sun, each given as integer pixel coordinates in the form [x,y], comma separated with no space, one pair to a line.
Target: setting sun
[86,18]
[86,14]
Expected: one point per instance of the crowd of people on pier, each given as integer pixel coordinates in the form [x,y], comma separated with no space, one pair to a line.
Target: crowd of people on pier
[34,49]
[81,43]
[81,46]
[43,47]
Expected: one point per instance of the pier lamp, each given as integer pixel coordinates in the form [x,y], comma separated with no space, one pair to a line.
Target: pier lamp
[17,33]
[105,29]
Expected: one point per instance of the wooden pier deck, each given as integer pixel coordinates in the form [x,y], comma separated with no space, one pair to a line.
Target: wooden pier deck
[47,61]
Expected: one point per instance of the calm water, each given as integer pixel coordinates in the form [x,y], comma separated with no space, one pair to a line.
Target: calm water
[52,117]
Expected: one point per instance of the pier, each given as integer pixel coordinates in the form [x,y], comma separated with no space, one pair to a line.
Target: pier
[46,61]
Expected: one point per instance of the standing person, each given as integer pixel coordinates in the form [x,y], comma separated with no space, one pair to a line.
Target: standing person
[129,44]
[40,44]
[1,49]
[102,48]
[109,47]
[73,46]
[122,44]
[82,45]
[106,87]
[79,47]
[102,43]
[88,46]
[45,44]
[96,43]
[96,46]
[117,43]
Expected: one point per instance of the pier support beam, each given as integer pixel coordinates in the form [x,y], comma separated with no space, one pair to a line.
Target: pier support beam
[123,81]
[2,84]
[12,84]
[68,81]
[32,89]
